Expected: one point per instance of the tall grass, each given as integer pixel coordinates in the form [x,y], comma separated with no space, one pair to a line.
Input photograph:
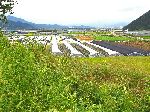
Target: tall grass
[31,79]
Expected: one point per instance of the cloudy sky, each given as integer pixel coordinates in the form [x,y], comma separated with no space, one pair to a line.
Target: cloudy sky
[90,12]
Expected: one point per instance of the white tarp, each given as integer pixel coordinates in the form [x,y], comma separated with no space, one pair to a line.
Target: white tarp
[55,48]
[93,53]
[74,52]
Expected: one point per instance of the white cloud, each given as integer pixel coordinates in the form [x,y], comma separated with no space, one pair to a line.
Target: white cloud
[80,11]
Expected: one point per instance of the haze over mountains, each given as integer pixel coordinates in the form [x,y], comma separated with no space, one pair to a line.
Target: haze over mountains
[141,23]
[15,23]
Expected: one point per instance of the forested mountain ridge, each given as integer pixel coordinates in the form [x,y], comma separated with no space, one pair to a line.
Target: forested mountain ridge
[141,23]
[15,23]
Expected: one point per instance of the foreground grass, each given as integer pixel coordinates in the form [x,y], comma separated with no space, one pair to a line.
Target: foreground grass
[31,79]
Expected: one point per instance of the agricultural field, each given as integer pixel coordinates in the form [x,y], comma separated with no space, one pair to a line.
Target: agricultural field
[113,38]
[86,46]
[145,37]
[144,45]
[123,49]
[33,79]
[85,38]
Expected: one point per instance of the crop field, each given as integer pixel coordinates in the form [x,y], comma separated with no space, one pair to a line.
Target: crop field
[144,45]
[33,79]
[64,49]
[100,51]
[85,46]
[84,38]
[145,37]
[81,49]
[113,38]
[123,49]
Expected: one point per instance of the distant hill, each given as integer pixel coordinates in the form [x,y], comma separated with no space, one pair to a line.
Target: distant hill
[15,23]
[12,25]
[15,19]
[142,23]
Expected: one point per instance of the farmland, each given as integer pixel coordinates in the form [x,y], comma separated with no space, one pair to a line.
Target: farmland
[74,56]
[59,73]
[145,37]
[138,44]
[87,46]
[113,38]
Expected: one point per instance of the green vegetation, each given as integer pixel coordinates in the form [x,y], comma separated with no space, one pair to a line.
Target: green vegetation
[103,35]
[31,79]
[145,37]
[92,33]
[113,38]
[77,32]
[30,34]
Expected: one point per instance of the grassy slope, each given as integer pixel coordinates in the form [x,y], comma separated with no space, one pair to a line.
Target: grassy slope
[138,64]
[31,79]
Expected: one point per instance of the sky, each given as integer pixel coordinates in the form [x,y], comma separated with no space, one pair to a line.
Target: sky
[77,12]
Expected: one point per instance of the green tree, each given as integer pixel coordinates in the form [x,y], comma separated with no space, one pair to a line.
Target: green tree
[6,6]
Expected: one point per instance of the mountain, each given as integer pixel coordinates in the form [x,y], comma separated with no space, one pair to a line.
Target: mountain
[141,23]
[15,19]
[15,23]
[12,25]
[30,25]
